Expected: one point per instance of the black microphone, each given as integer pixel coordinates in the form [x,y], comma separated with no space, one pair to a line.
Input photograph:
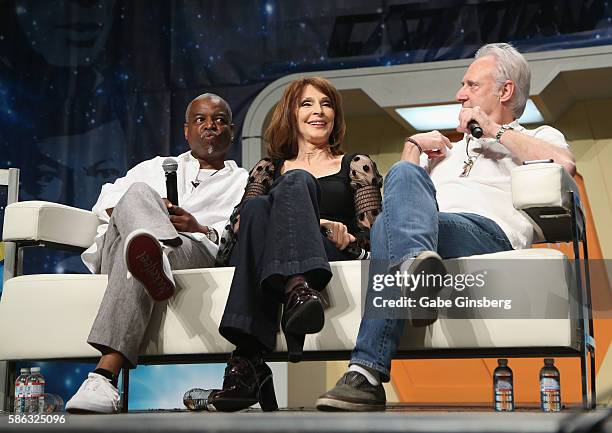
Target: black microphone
[353,250]
[475,129]
[357,253]
[170,166]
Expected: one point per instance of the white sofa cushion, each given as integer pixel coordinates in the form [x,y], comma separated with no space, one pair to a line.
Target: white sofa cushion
[55,313]
[541,185]
[50,222]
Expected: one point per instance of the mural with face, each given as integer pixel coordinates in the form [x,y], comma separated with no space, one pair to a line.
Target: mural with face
[66,32]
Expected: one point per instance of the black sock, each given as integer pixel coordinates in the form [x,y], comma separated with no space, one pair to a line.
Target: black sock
[107,374]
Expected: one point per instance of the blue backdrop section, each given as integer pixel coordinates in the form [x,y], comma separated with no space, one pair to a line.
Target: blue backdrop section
[151,387]
[88,88]
[163,386]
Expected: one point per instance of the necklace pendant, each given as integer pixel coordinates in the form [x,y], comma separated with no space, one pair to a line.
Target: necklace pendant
[467,167]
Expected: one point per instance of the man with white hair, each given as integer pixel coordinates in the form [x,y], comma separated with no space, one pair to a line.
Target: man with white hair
[448,200]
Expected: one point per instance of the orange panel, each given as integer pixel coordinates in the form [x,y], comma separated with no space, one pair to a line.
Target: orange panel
[470,381]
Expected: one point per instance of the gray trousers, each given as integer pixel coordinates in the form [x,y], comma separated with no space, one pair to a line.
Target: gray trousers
[126,308]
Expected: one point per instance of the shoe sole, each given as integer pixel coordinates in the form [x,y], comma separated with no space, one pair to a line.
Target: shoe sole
[143,256]
[309,318]
[92,410]
[233,405]
[75,411]
[427,262]
[326,404]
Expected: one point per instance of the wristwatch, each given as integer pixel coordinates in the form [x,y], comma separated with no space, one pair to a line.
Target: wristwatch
[501,130]
[212,235]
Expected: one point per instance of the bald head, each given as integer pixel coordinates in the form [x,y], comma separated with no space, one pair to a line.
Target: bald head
[212,97]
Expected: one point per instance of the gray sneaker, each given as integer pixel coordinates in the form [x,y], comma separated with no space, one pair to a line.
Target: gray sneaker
[353,392]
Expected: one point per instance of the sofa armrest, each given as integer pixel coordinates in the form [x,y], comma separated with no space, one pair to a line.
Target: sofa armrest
[36,222]
[549,197]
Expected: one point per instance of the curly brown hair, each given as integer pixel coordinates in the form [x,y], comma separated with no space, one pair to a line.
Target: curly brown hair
[281,136]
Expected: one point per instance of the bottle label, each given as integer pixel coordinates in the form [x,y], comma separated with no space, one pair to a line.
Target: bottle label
[549,384]
[502,384]
[20,390]
[36,390]
[550,394]
[504,396]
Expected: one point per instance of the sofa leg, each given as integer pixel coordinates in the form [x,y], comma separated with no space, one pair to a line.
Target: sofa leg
[584,379]
[125,388]
[593,379]
[9,386]
[588,378]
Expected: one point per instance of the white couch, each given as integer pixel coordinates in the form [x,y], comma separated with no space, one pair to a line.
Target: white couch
[185,328]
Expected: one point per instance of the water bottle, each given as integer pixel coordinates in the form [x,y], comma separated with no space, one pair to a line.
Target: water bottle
[53,403]
[550,387]
[35,400]
[197,399]
[503,388]
[20,391]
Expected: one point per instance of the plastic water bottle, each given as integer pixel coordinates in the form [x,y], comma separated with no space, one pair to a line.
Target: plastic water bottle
[550,387]
[20,391]
[53,403]
[503,387]
[35,399]
[197,399]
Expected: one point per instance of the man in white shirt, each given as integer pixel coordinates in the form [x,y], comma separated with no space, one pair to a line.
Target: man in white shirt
[445,200]
[146,237]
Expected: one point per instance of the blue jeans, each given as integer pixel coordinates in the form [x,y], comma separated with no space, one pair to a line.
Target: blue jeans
[409,224]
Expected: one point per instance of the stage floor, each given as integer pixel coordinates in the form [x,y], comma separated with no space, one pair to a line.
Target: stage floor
[398,418]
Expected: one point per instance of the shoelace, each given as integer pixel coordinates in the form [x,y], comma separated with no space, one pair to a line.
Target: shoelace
[94,383]
[301,294]
[354,378]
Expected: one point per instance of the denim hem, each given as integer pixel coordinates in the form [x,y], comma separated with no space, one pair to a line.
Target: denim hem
[384,373]
[409,255]
[288,268]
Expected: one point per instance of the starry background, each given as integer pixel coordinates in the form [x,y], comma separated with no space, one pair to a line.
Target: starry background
[89,88]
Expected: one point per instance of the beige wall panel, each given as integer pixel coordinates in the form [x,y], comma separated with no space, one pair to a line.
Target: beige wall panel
[379,136]
[305,382]
[308,380]
[575,124]
[603,212]
[597,190]
[588,129]
[599,118]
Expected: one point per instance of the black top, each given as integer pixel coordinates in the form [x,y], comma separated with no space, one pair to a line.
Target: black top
[336,203]
[351,196]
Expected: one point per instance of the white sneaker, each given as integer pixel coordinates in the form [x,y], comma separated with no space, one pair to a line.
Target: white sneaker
[147,263]
[96,395]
